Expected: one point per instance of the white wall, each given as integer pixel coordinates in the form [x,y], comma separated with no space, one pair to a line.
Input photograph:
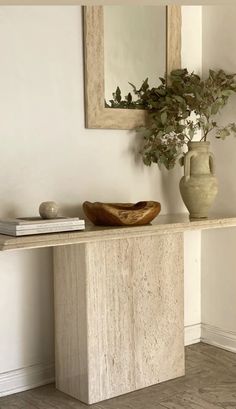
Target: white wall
[218,247]
[47,154]
[26,331]
[192,59]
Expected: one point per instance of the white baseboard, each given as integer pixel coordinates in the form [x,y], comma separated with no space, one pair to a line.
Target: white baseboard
[192,334]
[218,337]
[22,379]
[210,335]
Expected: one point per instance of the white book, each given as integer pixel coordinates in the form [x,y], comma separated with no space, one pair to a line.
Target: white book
[37,219]
[37,222]
[41,230]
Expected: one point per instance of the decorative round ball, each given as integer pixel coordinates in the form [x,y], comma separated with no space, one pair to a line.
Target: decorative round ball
[48,210]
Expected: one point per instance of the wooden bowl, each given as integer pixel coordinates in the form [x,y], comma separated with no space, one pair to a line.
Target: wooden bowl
[121,214]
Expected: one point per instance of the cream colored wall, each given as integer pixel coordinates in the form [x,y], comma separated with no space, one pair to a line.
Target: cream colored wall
[218,248]
[47,154]
[192,40]
[26,333]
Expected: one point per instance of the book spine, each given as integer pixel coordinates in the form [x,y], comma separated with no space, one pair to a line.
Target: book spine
[25,222]
[41,226]
[50,230]
[42,230]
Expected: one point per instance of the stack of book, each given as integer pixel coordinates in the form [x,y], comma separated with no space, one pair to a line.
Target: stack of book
[35,225]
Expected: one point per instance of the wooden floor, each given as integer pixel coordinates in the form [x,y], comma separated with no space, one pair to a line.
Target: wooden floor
[210,383]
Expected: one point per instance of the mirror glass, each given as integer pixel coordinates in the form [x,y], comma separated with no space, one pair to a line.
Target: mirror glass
[134,46]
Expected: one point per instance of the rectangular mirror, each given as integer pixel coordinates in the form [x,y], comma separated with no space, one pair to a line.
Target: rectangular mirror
[125,44]
[134,46]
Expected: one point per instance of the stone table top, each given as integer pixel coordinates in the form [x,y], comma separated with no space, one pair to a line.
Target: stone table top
[163,224]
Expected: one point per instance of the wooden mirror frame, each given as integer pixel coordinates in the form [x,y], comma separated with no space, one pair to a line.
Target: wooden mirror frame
[96,115]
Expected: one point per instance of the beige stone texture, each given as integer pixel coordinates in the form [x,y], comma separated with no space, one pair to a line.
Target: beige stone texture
[119,315]
[166,224]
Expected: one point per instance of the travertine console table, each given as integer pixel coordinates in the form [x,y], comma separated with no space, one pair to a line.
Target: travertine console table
[118,304]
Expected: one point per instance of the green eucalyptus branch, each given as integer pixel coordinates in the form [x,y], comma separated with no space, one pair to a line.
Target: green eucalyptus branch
[171,106]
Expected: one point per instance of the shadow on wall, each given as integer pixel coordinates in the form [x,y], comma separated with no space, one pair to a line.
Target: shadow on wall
[170,188]
[9,210]
[225,152]
[27,325]
[37,314]
[71,210]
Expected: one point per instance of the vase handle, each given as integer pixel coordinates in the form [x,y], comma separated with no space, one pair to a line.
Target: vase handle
[189,155]
[212,163]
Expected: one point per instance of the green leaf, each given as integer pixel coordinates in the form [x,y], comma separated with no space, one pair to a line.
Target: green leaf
[198,96]
[223,133]
[227,92]
[181,128]
[147,160]
[170,128]
[179,72]
[181,160]
[129,98]
[179,99]
[118,94]
[215,108]
[233,127]
[145,85]
[185,115]
[134,87]
[163,81]
[164,117]
[212,74]
[161,92]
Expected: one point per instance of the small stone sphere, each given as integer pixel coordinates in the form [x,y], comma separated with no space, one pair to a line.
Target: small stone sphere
[48,210]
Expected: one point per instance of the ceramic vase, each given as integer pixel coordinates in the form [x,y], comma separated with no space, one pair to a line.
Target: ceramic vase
[198,186]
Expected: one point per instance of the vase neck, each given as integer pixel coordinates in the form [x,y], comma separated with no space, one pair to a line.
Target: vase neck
[199,146]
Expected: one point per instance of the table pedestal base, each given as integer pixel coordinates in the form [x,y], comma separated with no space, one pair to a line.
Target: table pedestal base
[118,315]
